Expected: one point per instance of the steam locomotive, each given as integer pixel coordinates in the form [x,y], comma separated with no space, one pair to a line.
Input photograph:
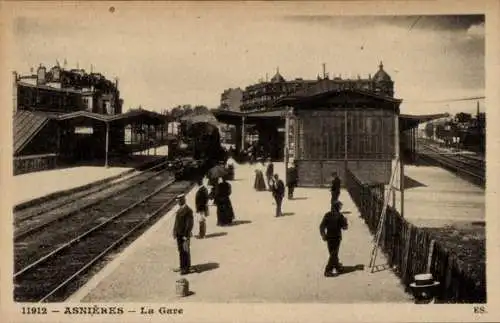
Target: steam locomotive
[197,150]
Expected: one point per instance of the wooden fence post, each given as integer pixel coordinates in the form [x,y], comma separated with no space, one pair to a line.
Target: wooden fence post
[429,258]
[407,240]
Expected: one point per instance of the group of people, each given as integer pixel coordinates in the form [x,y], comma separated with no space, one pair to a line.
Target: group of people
[184,217]
[274,184]
[331,227]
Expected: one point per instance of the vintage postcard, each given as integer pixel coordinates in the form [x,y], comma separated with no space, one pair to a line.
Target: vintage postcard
[249,161]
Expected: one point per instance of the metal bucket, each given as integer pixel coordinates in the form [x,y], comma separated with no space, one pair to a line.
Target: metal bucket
[182,287]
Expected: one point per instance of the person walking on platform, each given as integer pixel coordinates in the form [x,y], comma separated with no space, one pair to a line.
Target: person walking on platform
[291,180]
[183,227]
[201,202]
[259,183]
[278,190]
[331,231]
[335,187]
[269,172]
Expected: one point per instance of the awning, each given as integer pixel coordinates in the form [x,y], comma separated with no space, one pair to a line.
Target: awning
[407,121]
[26,125]
[201,118]
[145,116]
[235,117]
[312,99]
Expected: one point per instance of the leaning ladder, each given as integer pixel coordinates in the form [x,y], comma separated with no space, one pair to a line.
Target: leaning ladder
[380,226]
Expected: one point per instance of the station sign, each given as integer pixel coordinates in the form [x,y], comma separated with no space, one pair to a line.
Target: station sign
[84,130]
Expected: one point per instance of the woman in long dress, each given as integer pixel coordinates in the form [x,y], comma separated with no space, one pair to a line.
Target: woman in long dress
[259,183]
[225,213]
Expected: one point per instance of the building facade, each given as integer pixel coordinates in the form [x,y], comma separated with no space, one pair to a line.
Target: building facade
[339,130]
[261,96]
[231,99]
[62,91]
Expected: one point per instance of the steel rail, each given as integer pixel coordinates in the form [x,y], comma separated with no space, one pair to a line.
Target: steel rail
[23,233]
[108,249]
[95,228]
[68,200]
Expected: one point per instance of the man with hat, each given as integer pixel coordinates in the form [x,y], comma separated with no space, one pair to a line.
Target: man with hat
[291,179]
[183,227]
[424,288]
[335,187]
[331,231]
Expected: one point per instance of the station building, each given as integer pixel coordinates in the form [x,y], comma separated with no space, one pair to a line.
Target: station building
[70,116]
[335,125]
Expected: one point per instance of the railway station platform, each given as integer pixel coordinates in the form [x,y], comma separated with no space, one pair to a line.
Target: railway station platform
[258,259]
[37,184]
[34,185]
[435,197]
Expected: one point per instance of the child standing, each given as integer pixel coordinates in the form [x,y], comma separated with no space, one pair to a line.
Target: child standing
[201,201]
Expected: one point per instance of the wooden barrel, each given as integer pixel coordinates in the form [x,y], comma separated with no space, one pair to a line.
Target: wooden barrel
[182,287]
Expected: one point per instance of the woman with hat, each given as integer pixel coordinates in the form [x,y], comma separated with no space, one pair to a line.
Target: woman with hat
[259,183]
[225,213]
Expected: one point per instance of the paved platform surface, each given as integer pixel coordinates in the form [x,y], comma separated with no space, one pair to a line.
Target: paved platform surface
[260,259]
[435,197]
[33,185]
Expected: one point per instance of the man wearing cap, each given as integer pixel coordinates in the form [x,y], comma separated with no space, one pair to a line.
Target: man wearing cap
[291,179]
[278,191]
[183,227]
[331,231]
[335,187]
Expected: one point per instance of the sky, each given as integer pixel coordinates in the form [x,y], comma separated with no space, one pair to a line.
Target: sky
[168,55]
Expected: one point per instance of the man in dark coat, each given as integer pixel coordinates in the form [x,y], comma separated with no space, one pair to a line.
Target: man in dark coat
[331,231]
[291,180]
[335,187]
[278,189]
[269,172]
[201,202]
[183,227]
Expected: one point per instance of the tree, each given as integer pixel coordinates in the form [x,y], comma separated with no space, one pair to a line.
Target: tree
[187,110]
[177,112]
[463,117]
[200,109]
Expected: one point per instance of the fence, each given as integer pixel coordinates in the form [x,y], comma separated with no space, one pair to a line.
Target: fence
[34,163]
[407,248]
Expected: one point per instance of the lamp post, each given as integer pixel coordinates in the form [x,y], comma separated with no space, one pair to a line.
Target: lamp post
[107,145]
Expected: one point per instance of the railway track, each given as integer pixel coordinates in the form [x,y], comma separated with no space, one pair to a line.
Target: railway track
[52,275]
[28,224]
[468,167]
[78,200]
[43,240]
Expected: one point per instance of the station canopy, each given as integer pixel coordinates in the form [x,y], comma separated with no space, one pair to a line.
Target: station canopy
[235,117]
[407,121]
[134,116]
